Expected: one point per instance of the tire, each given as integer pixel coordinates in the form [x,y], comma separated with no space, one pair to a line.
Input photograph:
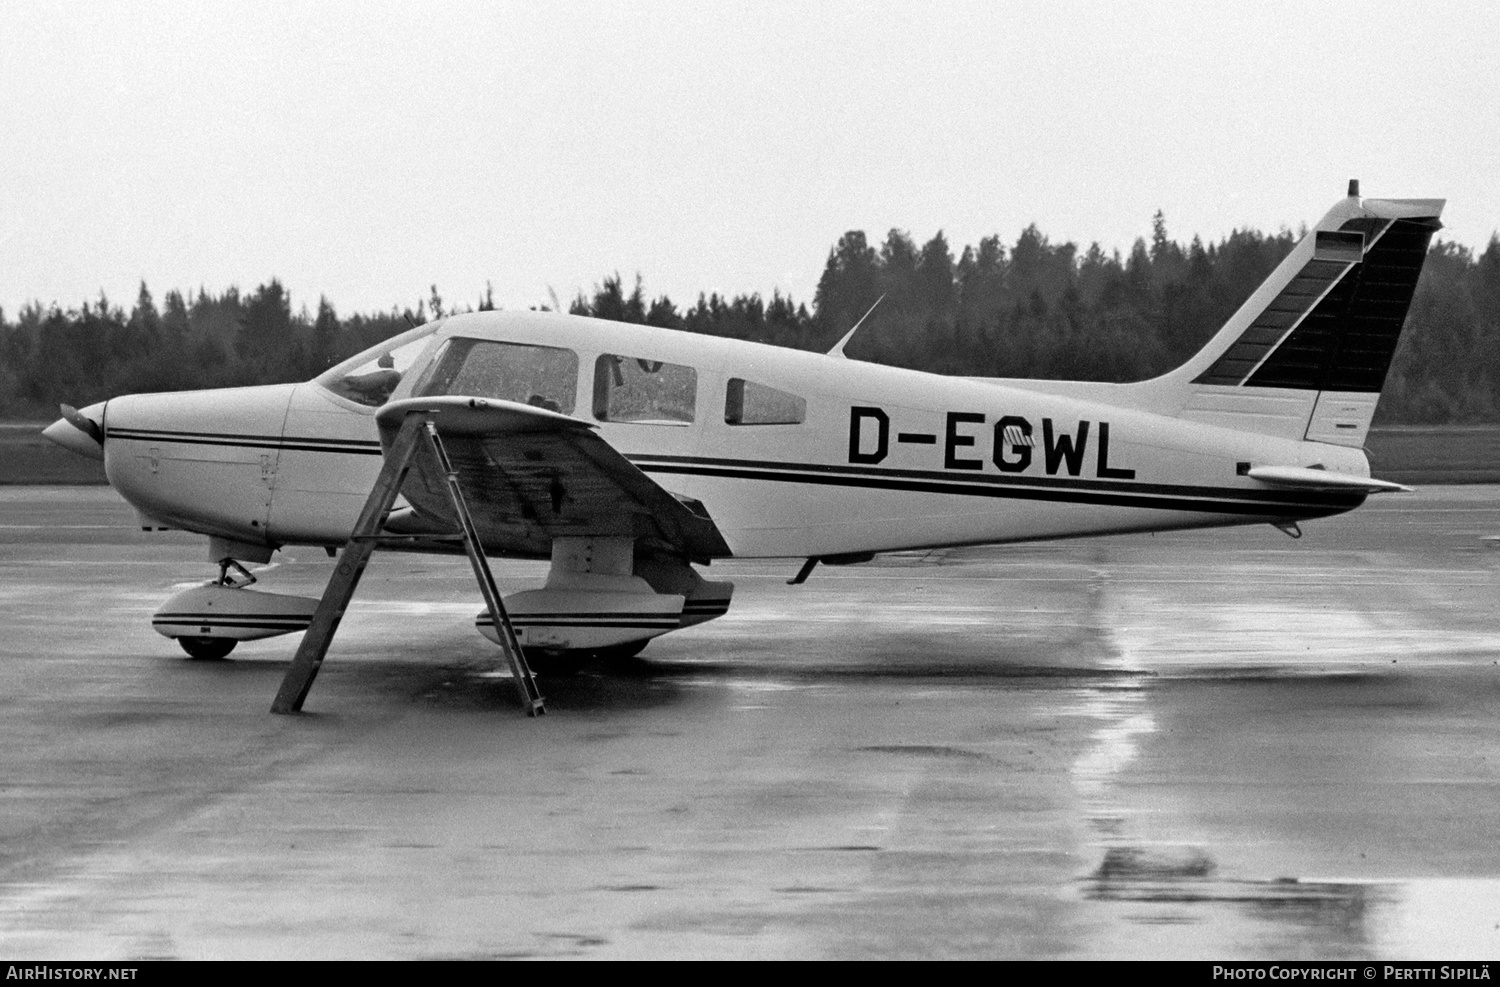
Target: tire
[556,664]
[207,648]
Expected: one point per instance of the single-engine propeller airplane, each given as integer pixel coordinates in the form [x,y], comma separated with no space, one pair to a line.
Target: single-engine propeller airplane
[630,455]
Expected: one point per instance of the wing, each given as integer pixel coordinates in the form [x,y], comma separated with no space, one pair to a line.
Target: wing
[530,475]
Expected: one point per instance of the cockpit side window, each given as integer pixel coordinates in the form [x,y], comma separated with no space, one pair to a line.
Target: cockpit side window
[749,403]
[368,378]
[645,392]
[541,376]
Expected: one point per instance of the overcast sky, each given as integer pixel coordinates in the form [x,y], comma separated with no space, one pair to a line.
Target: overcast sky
[367,150]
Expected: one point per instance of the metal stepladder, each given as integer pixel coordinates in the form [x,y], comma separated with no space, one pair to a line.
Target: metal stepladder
[416,428]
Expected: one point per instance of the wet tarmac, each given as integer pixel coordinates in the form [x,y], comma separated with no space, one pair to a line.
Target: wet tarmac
[1220,744]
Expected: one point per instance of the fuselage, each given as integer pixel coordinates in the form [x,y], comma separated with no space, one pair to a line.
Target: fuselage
[791,453]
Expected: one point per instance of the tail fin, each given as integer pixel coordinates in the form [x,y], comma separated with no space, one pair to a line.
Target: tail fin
[1317,338]
[1306,356]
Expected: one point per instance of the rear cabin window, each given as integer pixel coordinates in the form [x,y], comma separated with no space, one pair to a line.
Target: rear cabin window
[541,376]
[645,392]
[749,403]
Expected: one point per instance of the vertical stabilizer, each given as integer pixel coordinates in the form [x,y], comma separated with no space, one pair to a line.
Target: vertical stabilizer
[1306,355]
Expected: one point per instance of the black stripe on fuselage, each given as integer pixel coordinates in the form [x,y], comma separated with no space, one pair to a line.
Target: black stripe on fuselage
[585,620]
[643,614]
[202,616]
[1153,496]
[255,625]
[655,625]
[355,447]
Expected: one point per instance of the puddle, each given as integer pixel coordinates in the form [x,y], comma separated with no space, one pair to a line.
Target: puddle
[1160,899]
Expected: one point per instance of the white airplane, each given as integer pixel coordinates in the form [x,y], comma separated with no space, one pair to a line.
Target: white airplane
[630,455]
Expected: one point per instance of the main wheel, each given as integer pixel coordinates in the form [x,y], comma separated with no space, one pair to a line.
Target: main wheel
[555,663]
[207,648]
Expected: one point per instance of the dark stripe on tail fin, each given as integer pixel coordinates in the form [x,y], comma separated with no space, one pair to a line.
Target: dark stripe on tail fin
[1346,343]
[1272,325]
[1335,326]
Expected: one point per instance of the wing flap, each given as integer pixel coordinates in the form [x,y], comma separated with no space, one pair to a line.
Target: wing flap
[531,475]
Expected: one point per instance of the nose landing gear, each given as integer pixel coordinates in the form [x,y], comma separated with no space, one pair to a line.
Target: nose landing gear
[215,648]
[208,620]
[242,577]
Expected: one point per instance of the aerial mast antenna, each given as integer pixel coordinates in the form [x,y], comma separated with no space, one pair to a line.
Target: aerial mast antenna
[838,349]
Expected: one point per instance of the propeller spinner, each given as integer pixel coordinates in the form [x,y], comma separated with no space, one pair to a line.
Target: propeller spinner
[78,431]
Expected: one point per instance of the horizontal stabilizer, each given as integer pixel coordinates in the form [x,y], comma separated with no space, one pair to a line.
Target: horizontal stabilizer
[1307,478]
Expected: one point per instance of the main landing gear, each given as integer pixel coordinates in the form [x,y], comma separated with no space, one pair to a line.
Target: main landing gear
[560,662]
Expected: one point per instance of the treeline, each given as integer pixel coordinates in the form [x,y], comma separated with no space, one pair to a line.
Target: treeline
[1028,309]
[98,350]
[1039,309]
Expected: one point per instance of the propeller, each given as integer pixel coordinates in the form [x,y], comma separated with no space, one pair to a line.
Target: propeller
[87,426]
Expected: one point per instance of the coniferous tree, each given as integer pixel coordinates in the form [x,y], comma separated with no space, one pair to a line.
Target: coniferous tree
[325,335]
[1039,309]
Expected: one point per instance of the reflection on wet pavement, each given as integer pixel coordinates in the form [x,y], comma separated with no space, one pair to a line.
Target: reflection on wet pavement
[1214,745]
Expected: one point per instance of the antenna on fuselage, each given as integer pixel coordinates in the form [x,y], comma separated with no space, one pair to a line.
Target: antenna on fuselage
[838,349]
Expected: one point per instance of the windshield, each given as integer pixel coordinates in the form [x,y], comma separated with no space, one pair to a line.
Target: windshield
[369,377]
